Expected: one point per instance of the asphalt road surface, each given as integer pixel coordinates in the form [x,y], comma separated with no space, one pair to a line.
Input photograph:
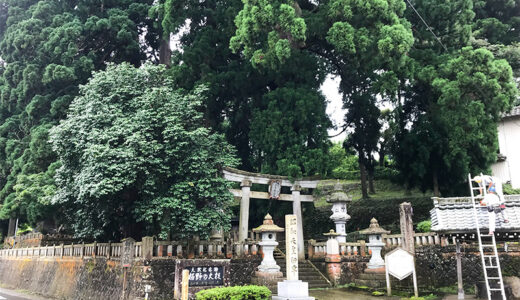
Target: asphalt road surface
[13,295]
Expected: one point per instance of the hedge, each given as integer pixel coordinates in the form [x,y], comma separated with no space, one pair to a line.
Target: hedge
[386,211]
[246,292]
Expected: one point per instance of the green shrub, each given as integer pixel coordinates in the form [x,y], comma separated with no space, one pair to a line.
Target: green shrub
[386,173]
[509,190]
[424,226]
[247,292]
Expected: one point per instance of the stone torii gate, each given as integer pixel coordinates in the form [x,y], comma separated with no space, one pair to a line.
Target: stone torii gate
[246,179]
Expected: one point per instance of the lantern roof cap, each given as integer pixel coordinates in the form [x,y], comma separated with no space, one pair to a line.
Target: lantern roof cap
[338,194]
[268,225]
[374,228]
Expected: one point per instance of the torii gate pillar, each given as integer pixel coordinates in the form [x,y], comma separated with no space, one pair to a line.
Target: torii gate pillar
[297,210]
[244,210]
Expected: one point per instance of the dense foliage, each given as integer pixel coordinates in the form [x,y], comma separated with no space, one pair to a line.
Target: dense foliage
[357,40]
[249,75]
[136,158]
[275,117]
[449,100]
[48,48]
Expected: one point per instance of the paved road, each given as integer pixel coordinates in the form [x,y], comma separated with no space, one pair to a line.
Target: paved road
[13,295]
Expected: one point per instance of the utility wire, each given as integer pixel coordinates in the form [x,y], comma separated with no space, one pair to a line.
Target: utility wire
[427,26]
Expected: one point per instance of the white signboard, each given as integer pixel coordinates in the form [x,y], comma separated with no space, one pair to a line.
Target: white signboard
[291,230]
[400,264]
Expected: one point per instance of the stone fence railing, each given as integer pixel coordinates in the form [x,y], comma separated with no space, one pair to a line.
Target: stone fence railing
[148,248]
[359,248]
[421,239]
[108,250]
[206,249]
[319,249]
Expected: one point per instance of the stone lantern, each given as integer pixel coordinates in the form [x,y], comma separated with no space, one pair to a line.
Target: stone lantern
[339,200]
[268,230]
[375,244]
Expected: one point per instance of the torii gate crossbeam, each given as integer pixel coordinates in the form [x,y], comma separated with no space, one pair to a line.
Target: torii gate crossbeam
[246,179]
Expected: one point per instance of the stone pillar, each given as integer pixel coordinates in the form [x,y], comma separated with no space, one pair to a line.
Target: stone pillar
[405,219]
[292,288]
[297,210]
[147,247]
[333,260]
[244,210]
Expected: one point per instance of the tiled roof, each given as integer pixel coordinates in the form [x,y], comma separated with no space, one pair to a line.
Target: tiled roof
[455,215]
[513,113]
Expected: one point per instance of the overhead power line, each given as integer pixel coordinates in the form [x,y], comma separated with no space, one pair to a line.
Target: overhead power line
[427,26]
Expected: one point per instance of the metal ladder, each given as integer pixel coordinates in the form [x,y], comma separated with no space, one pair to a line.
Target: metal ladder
[490,263]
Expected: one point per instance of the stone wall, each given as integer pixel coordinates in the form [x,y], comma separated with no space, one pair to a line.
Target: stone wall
[95,278]
[243,269]
[100,278]
[437,266]
[351,267]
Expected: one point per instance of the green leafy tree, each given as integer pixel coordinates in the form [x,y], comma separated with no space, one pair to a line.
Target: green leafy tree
[48,48]
[136,158]
[448,101]
[274,117]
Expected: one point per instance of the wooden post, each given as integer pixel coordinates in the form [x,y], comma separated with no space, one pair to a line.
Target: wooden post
[415,289]
[123,295]
[405,219]
[185,284]
[459,272]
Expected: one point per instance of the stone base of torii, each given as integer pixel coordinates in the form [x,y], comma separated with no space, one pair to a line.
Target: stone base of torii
[247,179]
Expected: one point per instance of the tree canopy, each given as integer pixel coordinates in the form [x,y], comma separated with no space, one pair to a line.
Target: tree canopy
[48,48]
[136,158]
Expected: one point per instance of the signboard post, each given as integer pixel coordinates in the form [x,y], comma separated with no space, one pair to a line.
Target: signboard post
[185,284]
[400,264]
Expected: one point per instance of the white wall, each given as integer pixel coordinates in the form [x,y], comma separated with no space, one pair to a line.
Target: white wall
[509,143]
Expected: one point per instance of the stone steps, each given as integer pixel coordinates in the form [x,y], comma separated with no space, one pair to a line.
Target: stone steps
[306,273]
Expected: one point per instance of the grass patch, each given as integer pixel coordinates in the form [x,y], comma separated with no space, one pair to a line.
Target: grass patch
[385,189]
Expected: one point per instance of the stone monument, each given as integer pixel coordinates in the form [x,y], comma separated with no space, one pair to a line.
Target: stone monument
[375,244]
[339,200]
[292,288]
[268,273]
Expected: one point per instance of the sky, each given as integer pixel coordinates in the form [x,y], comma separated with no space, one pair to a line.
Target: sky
[330,88]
